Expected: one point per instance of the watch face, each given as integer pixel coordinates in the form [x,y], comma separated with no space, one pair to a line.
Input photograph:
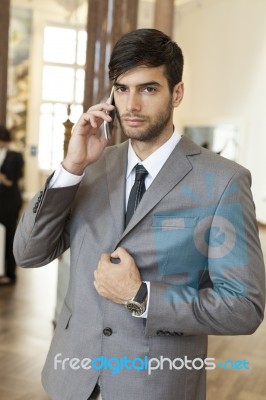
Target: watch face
[135,308]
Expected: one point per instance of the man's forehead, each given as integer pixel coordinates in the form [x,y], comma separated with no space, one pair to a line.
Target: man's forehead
[141,75]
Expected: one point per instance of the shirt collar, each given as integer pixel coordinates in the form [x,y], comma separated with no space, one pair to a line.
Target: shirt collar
[156,160]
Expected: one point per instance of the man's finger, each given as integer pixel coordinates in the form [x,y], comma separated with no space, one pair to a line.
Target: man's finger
[120,253]
[105,257]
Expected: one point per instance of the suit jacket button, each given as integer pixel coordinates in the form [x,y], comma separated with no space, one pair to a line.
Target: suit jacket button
[107,331]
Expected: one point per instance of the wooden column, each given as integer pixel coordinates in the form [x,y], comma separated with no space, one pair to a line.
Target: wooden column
[4,27]
[164,16]
[107,21]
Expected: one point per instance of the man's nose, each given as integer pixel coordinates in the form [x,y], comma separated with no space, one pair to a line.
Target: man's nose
[133,102]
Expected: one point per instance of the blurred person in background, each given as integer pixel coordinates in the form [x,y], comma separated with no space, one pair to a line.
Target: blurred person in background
[11,167]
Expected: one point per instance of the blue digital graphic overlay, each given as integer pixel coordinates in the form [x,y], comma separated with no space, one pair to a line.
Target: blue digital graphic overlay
[193,240]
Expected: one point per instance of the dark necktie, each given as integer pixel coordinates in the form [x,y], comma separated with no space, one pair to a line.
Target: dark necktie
[137,191]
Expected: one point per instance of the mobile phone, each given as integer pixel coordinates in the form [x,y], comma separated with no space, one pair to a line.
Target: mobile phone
[108,126]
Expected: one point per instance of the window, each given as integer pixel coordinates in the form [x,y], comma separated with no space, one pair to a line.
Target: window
[63,78]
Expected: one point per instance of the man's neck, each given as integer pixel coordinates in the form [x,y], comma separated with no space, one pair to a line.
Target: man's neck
[144,149]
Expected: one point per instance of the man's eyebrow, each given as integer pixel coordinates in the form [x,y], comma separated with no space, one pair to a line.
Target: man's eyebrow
[150,83]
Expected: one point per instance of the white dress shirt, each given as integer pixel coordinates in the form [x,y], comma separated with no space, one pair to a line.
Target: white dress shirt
[152,164]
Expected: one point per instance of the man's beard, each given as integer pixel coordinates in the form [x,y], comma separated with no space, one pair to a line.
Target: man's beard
[154,129]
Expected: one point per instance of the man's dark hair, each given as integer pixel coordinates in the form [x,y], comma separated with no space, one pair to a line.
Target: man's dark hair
[149,48]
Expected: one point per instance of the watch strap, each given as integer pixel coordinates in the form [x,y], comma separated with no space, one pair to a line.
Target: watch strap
[142,293]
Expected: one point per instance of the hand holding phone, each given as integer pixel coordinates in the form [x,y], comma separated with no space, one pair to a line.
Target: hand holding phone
[108,126]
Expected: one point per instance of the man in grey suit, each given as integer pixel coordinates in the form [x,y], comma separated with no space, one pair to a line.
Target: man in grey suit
[163,238]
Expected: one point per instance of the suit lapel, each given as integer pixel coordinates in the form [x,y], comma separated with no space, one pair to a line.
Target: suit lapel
[116,164]
[174,170]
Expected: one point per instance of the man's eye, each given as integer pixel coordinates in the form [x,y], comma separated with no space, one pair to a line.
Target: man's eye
[120,89]
[149,89]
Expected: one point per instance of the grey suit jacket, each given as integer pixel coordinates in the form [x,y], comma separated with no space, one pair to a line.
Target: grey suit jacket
[193,236]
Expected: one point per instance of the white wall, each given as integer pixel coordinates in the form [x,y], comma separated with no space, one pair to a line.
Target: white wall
[224,44]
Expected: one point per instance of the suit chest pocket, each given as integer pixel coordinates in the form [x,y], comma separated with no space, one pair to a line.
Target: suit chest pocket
[175,247]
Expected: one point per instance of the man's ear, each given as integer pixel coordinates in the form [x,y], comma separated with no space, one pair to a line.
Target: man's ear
[178,94]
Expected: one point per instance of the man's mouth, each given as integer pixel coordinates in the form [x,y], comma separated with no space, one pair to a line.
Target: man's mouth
[133,121]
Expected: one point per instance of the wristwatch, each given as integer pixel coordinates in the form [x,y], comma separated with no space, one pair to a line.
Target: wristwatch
[137,305]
